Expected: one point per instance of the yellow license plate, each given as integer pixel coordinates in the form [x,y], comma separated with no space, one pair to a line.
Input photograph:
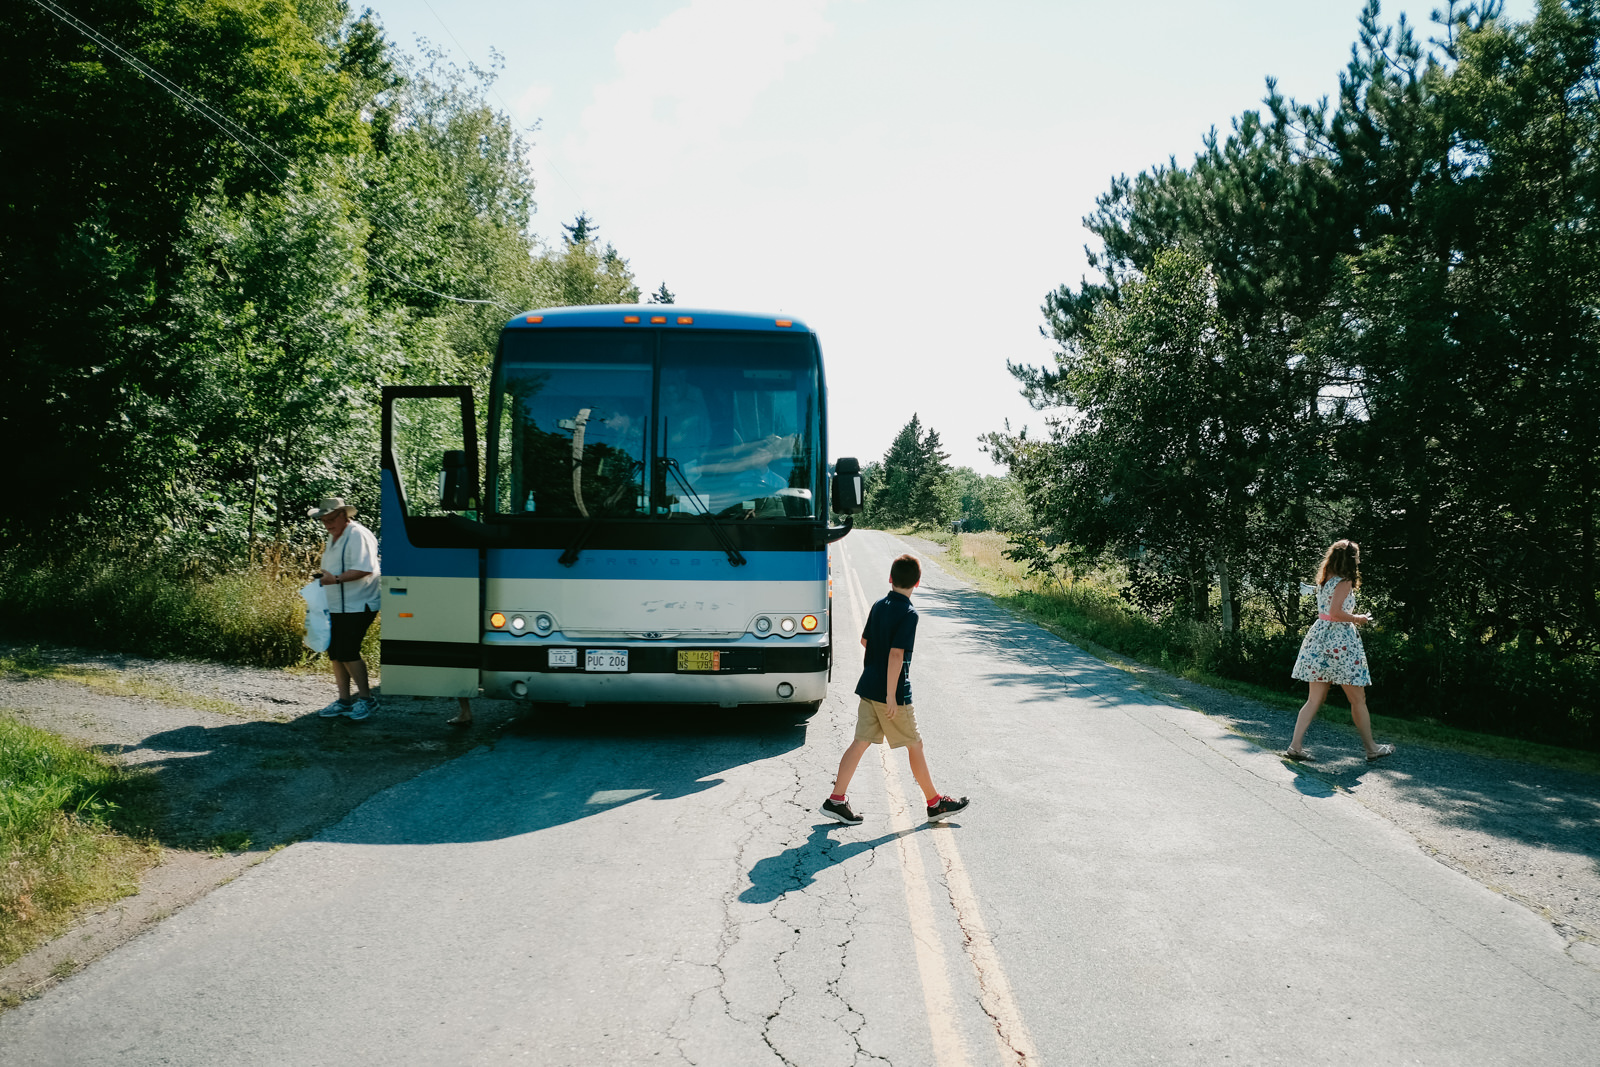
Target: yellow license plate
[699,661]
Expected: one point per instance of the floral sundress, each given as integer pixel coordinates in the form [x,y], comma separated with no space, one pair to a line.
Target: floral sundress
[1332,651]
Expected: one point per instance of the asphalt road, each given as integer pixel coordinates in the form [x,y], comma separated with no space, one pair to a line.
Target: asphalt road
[1134,883]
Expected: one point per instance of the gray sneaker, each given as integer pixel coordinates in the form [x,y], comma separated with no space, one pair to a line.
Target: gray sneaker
[361,709]
[336,709]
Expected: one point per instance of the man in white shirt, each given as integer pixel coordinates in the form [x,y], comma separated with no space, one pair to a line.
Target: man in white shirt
[350,573]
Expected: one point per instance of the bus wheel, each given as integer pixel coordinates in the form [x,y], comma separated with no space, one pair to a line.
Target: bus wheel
[807,709]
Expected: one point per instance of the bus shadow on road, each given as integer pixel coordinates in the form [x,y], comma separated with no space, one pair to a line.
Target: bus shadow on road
[554,765]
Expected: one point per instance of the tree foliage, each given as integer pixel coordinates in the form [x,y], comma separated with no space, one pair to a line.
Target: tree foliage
[913,485]
[200,300]
[1372,318]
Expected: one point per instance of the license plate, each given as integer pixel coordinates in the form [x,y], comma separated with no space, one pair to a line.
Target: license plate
[563,657]
[606,659]
[698,660]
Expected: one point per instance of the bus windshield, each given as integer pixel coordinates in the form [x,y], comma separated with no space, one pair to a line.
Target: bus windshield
[613,423]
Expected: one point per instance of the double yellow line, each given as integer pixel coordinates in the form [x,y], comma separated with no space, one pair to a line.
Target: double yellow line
[994,989]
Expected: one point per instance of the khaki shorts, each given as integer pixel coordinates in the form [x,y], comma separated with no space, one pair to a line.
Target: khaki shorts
[872,725]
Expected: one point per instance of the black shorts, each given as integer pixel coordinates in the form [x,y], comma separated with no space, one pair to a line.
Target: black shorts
[349,627]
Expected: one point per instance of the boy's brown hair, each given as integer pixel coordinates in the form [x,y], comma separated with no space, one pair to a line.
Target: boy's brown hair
[1343,559]
[905,572]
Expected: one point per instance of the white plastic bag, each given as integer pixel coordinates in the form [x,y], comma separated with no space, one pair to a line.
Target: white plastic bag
[318,626]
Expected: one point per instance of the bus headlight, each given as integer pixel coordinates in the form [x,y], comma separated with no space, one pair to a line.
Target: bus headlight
[763,625]
[543,623]
[808,623]
[518,623]
[787,626]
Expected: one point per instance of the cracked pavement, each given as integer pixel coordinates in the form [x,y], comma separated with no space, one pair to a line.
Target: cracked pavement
[1135,882]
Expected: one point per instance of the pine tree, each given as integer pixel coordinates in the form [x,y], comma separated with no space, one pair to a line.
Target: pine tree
[581,230]
[916,486]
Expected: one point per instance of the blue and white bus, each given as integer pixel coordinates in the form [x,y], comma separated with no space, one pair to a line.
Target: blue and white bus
[652,526]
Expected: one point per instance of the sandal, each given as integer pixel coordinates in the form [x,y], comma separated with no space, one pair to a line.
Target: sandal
[1296,756]
[458,721]
[1383,750]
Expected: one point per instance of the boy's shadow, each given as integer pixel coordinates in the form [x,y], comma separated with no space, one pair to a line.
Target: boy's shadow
[797,867]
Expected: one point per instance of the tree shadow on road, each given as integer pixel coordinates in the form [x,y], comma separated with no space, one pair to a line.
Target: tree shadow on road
[1468,806]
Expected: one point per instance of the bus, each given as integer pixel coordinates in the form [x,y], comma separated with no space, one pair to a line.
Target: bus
[652,522]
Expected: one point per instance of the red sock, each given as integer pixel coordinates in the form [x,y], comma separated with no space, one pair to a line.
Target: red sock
[837,798]
[935,799]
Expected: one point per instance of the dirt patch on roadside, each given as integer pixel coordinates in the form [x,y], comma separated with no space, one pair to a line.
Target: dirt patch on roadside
[242,764]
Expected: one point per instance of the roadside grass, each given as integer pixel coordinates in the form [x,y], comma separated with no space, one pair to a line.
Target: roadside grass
[1090,613]
[251,615]
[74,833]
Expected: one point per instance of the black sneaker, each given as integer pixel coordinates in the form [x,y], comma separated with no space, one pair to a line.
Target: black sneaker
[840,809]
[946,806]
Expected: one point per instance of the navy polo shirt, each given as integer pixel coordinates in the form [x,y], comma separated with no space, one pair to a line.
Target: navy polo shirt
[891,624]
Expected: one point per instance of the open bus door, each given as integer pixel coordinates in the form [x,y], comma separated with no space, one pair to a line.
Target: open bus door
[431,551]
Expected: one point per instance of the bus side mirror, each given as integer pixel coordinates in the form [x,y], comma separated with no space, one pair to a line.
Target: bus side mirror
[848,495]
[456,491]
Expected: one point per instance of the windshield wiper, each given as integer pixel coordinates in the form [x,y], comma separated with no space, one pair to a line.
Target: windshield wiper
[574,550]
[735,558]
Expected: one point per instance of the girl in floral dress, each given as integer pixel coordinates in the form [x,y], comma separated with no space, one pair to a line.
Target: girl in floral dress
[1331,652]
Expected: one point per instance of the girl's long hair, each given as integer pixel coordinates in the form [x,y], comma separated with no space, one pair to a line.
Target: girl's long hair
[1343,559]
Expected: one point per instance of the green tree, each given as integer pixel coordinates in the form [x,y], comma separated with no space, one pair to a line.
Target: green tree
[1466,321]
[1372,320]
[210,264]
[103,168]
[916,486]
[1004,508]
[582,272]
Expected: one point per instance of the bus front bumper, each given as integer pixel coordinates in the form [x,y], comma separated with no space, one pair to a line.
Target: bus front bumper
[582,688]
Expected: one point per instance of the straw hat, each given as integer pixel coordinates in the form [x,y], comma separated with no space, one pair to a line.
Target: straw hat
[329,505]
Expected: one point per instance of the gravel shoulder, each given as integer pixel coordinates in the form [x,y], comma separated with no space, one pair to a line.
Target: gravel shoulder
[1528,832]
[243,764]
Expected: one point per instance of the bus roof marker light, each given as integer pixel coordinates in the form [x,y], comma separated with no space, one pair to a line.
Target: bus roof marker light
[785,322]
[685,320]
[535,318]
[630,318]
[658,320]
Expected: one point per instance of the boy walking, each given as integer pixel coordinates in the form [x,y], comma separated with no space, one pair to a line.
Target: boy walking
[885,692]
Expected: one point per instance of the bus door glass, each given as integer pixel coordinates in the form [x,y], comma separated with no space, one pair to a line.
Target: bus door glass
[430,446]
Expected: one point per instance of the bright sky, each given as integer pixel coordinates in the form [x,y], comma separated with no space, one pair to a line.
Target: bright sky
[906,176]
